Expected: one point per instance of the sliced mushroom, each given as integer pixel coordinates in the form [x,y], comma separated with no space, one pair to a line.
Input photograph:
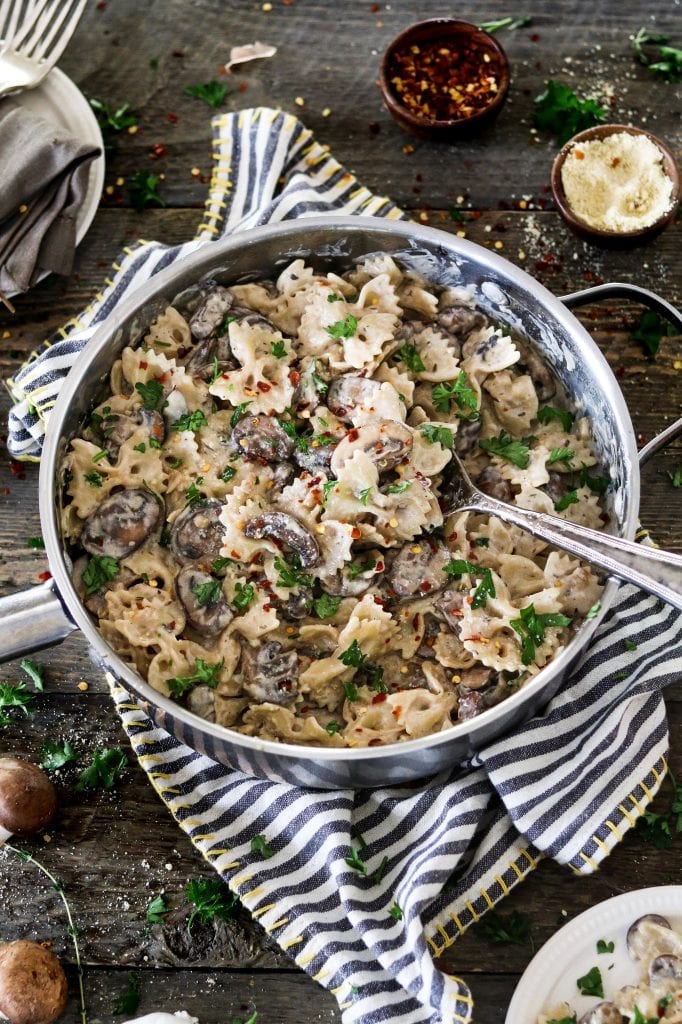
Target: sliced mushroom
[279,526]
[459,320]
[197,532]
[449,604]
[466,438]
[270,674]
[207,610]
[297,604]
[557,485]
[347,393]
[123,427]
[283,475]
[262,438]
[315,457]
[312,387]
[643,935]
[387,443]
[417,568]
[349,581]
[212,354]
[122,523]
[471,703]
[545,384]
[491,482]
[665,968]
[201,701]
[603,1013]
[211,312]
[476,678]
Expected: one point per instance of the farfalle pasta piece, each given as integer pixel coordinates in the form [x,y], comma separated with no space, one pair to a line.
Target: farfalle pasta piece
[515,401]
[486,351]
[169,333]
[402,716]
[93,478]
[262,381]
[271,722]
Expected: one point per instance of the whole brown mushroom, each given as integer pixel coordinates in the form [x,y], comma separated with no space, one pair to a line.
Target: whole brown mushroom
[33,986]
[28,800]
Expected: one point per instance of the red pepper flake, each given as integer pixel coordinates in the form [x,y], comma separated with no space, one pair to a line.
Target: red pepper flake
[476,637]
[469,599]
[158,151]
[356,533]
[440,81]
[379,567]
[235,554]
[173,118]
[424,586]
[17,470]
[242,87]
[317,496]
[352,435]
[456,613]
[376,742]
[102,5]
[378,698]
[380,601]
[415,621]
[263,386]
[44,576]
[5,491]
[143,365]
[397,711]
[267,607]
[294,378]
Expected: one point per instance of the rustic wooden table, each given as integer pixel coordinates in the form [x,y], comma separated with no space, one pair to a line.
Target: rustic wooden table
[114,851]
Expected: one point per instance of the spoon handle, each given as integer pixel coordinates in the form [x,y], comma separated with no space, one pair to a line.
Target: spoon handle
[656,571]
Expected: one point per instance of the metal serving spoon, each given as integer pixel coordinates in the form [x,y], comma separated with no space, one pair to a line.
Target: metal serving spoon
[656,571]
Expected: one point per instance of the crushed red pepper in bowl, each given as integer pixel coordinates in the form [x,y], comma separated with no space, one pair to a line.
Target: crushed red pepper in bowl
[442,78]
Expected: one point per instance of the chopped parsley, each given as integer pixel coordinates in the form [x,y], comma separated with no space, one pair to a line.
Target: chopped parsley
[213,93]
[239,413]
[400,488]
[319,384]
[354,861]
[548,413]
[151,394]
[506,447]
[597,484]
[99,456]
[290,574]
[157,910]
[442,435]
[531,627]
[332,297]
[409,355]
[36,542]
[356,569]
[55,754]
[333,727]
[191,421]
[375,677]
[207,593]
[128,1002]
[605,947]
[278,350]
[509,23]
[94,478]
[353,658]
[364,495]
[34,672]
[561,455]
[668,60]
[676,476]
[629,645]
[345,328]
[461,392]
[260,846]
[227,474]
[593,612]
[351,691]
[104,771]
[203,674]
[224,327]
[193,496]
[98,572]
[112,123]
[244,594]
[569,498]
[591,983]
[141,447]
[14,695]
[212,898]
[396,913]
[327,487]
[506,929]
[218,564]
[482,542]
[326,606]
[143,191]
[486,588]
[560,111]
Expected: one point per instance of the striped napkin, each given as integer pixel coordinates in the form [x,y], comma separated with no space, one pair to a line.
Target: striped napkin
[431,859]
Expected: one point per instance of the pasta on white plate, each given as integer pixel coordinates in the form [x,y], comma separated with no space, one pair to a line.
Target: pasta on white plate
[255,513]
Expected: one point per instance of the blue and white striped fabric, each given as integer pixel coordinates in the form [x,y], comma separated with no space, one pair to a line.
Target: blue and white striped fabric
[567,785]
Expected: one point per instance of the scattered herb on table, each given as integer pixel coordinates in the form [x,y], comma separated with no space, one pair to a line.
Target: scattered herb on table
[605,947]
[506,929]
[409,355]
[442,435]
[111,124]
[191,421]
[143,191]
[355,861]
[106,766]
[203,674]
[558,110]
[55,754]
[548,413]
[593,612]
[34,672]
[260,846]
[508,23]
[667,60]
[37,543]
[659,829]
[14,695]
[212,899]
[507,447]
[629,645]
[395,912]
[345,328]
[213,93]
[676,476]
[461,393]
[326,606]
[151,393]
[157,910]
[531,627]
[252,1019]
[128,1003]
[650,329]
[381,870]
[591,983]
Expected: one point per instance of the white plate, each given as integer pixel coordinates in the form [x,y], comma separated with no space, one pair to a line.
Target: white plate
[551,975]
[60,101]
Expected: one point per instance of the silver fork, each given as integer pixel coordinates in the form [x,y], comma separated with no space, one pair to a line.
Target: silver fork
[656,571]
[33,36]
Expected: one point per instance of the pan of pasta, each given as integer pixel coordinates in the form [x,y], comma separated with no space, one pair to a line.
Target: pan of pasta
[241,498]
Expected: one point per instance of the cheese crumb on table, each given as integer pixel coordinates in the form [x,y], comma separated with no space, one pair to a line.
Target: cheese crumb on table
[617,183]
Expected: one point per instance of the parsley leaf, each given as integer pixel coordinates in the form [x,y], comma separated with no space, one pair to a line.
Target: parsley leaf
[486,588]
[224,327]
[650,329]
[128,1003]
[400,488]
[191,421]
[669,62]
[591,983]
[319,384]
[55,754]
[94,478]
[351,691]
[244,594]
[227,474]
[333,727]
[326,606]
[548,413]
[36,542]
[597,484]
[506,929]
[211,898]
[193,496]
[157,910]
[409,355]
[510,23]
[343,328]
[213,93]
[203,673]
[260,846]
[352,656]
[34,672]
[14,695]
[461,393]
[531,627]
[561,455]
[152,394]
[356,569]
[112,123]
[676,476]
[239,412]
[558,110]
[364,495]
[396,913]
[99,570]
[278,349]
[207,593]
[564,1020]
[605,947]
[355,861]
[442,435]
[507,448]
[593,612]
[143,191]
[569,498]
[218,564]
[104,770]
[290,574]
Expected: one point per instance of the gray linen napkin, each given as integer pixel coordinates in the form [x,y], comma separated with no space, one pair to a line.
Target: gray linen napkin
[43,181]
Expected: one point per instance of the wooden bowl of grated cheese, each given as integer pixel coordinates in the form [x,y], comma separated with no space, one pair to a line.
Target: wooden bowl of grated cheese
[615,185]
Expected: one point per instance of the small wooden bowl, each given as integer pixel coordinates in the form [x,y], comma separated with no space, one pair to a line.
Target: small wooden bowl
[465,36]
[604,237]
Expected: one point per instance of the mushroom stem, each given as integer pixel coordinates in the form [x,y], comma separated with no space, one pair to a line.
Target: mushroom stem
[4,835]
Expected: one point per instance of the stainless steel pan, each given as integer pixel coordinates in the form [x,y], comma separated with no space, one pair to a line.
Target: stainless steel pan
[46,614]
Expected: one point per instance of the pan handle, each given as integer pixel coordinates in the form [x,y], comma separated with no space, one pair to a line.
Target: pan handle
[621,290]
[32,619]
